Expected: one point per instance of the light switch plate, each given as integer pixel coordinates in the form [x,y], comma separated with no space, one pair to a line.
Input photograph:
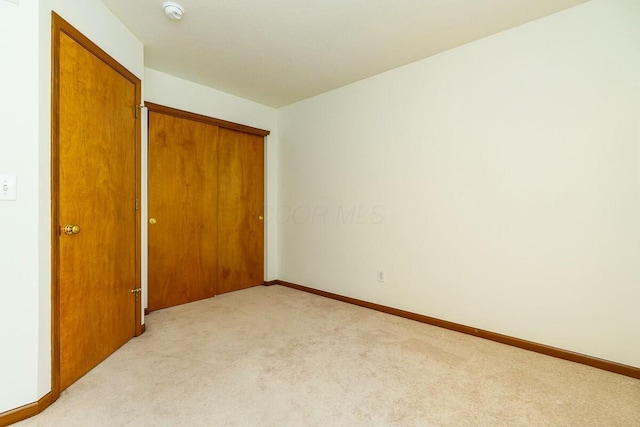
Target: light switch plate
[8,187]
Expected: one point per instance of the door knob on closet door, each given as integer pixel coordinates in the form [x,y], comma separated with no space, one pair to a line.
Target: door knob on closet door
[71,229]
[152,221]
[260,217]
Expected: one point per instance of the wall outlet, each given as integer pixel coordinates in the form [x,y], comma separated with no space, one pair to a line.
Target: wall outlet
[380,276]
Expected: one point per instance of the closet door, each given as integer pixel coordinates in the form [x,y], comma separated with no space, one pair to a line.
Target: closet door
[182,210]
[240,211]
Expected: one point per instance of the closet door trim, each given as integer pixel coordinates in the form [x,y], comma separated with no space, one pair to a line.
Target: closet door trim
[205,119]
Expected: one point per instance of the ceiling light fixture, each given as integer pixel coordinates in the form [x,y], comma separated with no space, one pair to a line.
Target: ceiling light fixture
[173,10]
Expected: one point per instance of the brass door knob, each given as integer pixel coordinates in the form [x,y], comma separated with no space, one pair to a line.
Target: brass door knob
[70,229]
[260,217]
[152,221]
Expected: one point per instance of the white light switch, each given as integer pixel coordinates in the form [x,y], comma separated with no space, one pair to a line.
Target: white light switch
[8,187]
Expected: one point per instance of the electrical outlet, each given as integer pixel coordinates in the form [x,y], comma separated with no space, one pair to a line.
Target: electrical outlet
[381,276]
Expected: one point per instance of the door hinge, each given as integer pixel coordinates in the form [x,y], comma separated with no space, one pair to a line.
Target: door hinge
[137,204]
[138,109]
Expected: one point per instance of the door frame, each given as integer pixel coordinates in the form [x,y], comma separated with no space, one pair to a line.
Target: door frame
[58,26]
[204,119]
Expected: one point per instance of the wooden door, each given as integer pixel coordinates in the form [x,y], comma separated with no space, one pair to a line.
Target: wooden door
[240,210]
[182,210]
[95,188]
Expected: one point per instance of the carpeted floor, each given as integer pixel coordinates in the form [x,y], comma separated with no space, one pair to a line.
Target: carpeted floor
[274,356]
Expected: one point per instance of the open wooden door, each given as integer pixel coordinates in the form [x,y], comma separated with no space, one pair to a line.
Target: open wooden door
[95,189]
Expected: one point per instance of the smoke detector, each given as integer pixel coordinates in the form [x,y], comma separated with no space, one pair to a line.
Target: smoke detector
[173,10]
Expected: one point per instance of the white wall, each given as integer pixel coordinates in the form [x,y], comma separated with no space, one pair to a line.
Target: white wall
[19,266]
[25,265]
[497,184]
[164,89]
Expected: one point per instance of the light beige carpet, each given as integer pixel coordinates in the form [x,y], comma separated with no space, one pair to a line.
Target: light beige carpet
[281,357]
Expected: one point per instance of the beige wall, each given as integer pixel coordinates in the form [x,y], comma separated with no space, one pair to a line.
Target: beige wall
[496,184]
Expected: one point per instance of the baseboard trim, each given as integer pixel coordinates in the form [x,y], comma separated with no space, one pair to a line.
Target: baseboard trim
[618,368]
[31,409]
[26,411]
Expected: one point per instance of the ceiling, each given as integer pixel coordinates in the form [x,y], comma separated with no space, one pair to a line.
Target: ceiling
[277,52]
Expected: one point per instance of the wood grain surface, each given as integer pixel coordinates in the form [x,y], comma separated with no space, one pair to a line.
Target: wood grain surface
[183,191]
[96,190]
[240,209]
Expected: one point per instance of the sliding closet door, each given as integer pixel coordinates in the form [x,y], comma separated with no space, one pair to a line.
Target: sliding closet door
[240,210]
[182,210]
